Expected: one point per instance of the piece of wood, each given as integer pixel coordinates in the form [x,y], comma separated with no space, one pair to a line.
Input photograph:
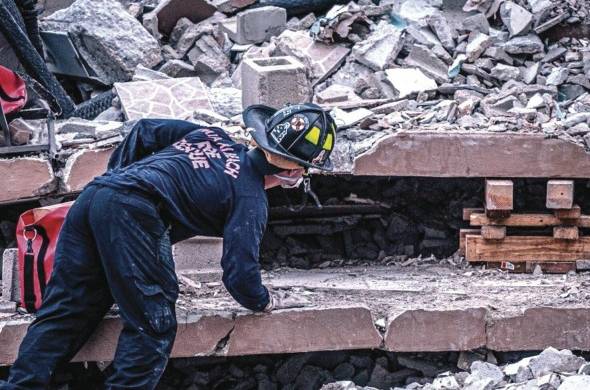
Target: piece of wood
[560,194]
[499,195]
[551,267]
[462,234]
[526,220]
[490,232]
[574,213]
[471,210]
[566,232]
[525,248]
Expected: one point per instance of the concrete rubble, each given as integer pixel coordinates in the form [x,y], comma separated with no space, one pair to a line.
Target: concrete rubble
[384,67]
[552,369]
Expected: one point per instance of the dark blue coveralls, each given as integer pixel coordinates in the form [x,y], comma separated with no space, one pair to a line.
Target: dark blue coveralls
[169,180]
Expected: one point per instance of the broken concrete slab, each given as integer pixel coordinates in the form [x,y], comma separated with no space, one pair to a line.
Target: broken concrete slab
[171,98]
[178,68]
[445,32]
[26,177]
[381,48]
[336,93]
[332,329]
[476,22]
[557,76]
[505,72]
[423,58]
[478,46]
[541,326]
[208,59]
[320,59]
[274,82]
[231,6]
[527,44]
[463,154]
[256,25]
[409,81]
[419,330]
[516,18]
[111,41]
[83,166]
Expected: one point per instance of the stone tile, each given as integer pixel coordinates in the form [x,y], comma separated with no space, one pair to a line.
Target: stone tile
[83,166]
[320,59]
[173,98]
[25,177]
[540,327]
[461,154]
[301,330]
[436,330]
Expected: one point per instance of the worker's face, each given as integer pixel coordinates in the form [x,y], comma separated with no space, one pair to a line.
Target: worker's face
[287,179]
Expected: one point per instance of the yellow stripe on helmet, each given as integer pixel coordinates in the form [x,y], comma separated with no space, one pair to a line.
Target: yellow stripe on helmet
[313,135]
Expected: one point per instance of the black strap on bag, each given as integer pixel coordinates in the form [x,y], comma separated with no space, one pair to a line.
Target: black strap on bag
[29,280]
[29,273]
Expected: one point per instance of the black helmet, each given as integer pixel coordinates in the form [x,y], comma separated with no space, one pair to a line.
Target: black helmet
[303,133]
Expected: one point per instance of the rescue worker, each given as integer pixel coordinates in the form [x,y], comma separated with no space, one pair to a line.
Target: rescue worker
[169,180]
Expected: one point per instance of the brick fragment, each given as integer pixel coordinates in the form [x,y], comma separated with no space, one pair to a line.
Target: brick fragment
[25,177]
[436,330]
[83,166]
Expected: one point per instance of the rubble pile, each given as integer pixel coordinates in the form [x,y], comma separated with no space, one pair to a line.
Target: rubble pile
[550,370]
[381,66]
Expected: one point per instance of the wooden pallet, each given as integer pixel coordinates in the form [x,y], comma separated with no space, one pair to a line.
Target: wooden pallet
[487,242]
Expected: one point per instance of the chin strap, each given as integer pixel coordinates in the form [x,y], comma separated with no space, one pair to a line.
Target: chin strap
[307,192]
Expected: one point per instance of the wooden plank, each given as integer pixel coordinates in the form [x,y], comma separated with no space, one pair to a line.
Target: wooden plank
[526,220]
[566,232]
[462,234]
[499,195]
[525,248]
[490,232]
[471,210]
[574,213]
[560,194]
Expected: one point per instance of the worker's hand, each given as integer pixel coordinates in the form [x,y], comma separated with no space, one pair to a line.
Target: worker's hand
[284,300]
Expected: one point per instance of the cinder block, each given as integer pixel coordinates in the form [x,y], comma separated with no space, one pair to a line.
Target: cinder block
[10,283]
[256,25]
[499,195]
[274,82]
[200,255]
[560,194]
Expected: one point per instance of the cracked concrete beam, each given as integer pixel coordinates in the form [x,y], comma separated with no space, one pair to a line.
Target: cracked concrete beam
[461,154]
[83,166]
[436,330]
[303,330]
[25,177]
[539,327]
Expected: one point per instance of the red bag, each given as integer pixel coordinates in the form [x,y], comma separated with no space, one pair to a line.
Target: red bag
[37,232]
[13,91]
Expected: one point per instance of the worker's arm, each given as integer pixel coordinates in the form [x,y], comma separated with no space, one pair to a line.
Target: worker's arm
[241,244]
[149,136]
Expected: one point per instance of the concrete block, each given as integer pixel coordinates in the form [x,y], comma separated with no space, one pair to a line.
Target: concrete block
[303,330]
[540,327]
[198,254]
[436,330]
[10,281]
[83,166]
[560,194]
[274,82]
[256,25]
